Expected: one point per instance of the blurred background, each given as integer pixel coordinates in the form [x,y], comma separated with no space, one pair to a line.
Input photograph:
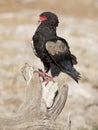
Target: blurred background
[79,26]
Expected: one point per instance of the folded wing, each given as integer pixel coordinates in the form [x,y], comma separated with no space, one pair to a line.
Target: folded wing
[62,57]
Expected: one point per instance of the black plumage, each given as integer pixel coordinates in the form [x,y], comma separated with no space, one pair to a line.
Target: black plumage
[53,50]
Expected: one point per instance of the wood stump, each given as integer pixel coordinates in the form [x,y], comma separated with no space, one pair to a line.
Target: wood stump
[41,106]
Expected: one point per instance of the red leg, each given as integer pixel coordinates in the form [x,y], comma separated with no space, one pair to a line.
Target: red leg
[41,73]
[45,77]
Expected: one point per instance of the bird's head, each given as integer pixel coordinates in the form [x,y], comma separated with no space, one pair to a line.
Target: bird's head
[49,18]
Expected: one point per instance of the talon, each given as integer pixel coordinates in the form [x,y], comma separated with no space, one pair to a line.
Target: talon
[41,73]
[49,79]
[46,78]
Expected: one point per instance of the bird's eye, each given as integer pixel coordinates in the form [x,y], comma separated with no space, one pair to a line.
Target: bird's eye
[43,18]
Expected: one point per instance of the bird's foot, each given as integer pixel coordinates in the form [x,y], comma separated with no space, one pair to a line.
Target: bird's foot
[41,73]
[46,78]
[49,79]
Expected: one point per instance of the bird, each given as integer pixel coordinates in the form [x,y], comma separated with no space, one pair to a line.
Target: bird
[53,50]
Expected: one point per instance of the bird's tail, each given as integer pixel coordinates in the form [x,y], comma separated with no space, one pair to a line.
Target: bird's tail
[74,74]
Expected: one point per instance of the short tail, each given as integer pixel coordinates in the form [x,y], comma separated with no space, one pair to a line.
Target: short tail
[74,74]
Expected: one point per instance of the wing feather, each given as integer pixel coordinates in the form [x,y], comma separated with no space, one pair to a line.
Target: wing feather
[60,50]
[56,48]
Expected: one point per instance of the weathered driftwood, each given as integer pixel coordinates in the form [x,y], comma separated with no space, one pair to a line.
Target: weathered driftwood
[38,110]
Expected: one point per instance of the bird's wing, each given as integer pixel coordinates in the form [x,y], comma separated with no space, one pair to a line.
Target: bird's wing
[58,51]
[56,48]
[61,56]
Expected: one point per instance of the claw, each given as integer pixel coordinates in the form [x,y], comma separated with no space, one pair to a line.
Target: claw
[41,73]
[45,77]
[49,79]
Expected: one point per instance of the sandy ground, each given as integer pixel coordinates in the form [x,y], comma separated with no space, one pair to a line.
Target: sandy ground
[79,25]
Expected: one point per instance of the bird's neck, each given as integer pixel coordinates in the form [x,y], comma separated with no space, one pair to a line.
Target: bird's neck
[48,30]
[49,25]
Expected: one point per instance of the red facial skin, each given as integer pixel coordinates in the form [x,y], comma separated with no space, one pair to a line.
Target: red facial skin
[43,18]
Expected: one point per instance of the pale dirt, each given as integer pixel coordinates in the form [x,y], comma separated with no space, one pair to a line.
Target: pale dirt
[79,25]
